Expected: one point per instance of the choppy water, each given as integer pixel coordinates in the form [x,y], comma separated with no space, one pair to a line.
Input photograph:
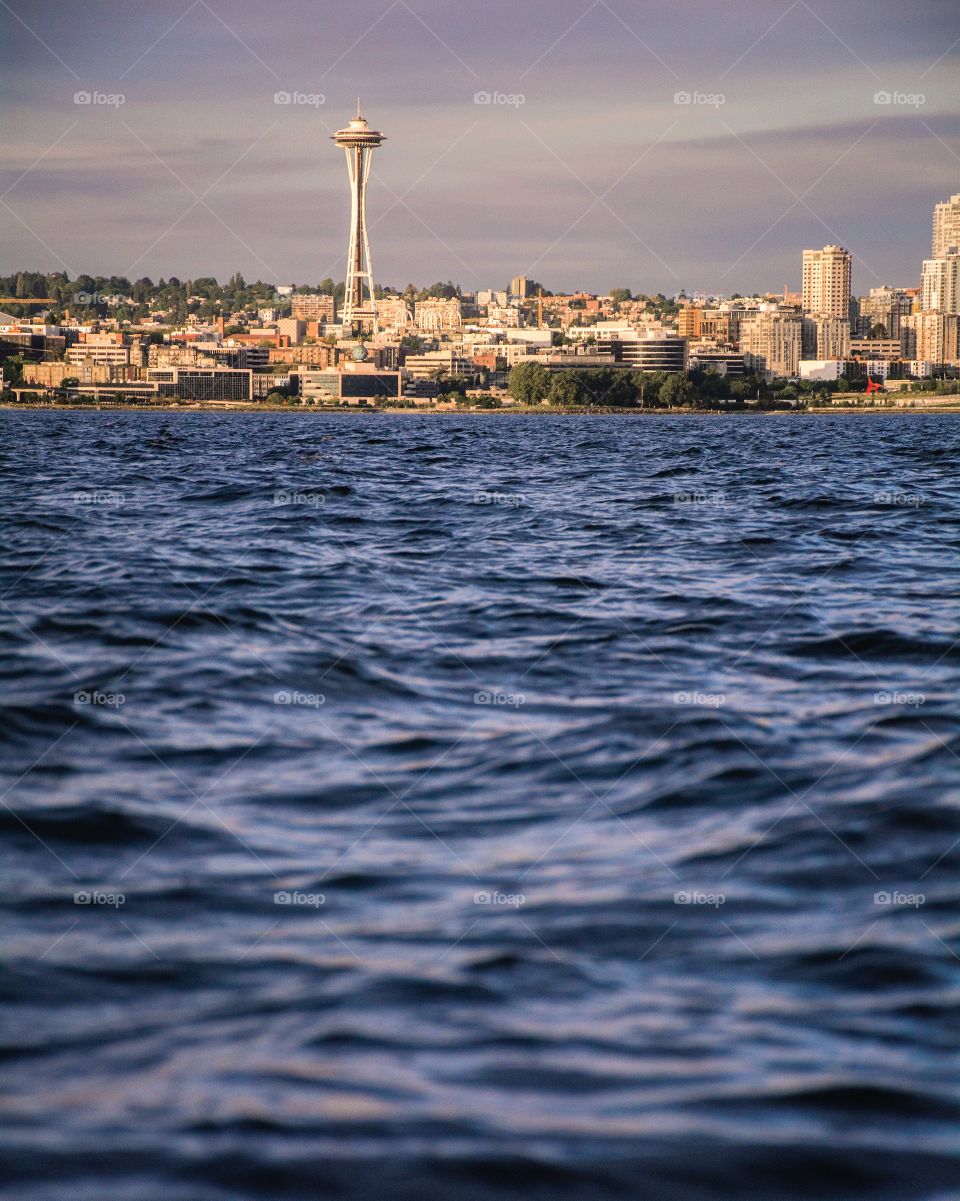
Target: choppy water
[720,660]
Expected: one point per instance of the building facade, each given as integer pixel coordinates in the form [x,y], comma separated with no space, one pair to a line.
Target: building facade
[946,228]
[826,282]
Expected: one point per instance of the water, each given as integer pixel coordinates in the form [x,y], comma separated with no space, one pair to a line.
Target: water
[718,659]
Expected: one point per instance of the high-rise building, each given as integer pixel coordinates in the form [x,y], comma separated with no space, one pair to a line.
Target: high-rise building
[946,227]
[690,321]
[358,141]
[771,342]
[932,338]
[940,285]
[520,286]
[886,307]
[826,282]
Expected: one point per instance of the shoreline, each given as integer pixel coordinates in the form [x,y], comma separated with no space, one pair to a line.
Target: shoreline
[952,405]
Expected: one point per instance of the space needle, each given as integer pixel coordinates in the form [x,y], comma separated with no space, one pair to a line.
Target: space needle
[358,141]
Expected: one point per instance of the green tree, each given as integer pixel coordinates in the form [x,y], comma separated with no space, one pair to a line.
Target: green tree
[529,382]
[563,389]
[676,390]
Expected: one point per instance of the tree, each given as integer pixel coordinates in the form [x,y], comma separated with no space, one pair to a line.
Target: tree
[677,390]
[620,294]
[529,382]
[563,389]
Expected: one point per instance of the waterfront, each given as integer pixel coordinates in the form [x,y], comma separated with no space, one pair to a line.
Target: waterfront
[498,810]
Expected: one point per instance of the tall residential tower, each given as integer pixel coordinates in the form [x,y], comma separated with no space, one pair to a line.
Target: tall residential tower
[358,140]
[946,227]
[826,282]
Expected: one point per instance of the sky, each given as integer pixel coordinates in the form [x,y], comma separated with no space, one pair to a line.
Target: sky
[623,143]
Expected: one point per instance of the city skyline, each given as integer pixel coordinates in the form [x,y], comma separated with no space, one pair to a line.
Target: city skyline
[700,155]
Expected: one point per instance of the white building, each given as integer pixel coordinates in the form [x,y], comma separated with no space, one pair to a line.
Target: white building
[946,227]
[826,282]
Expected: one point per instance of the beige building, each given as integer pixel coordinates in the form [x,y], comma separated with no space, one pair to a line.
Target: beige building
[771,342]
[826,282]
[312,306]
[109,352]
[293,328]
[52,374]
[932,338]
[832,338]
[946,227]
[884,306]
[940,285]
[394,312]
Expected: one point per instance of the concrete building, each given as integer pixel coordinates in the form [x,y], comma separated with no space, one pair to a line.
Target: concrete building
[889,349]
[715,358]
[940,285]
[884,306]
[520,287]
[645,350]
[946,228]
[826,282]
[317,354]
[826,338]
[293,328]
[450,359]
[83,352]
[201,383]
[354,384]
[771,341]
[690,322]
[394,312]
[932,338]
[52,375]
[313,306]
[825,370]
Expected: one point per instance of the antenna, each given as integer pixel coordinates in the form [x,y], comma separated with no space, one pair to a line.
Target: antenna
[358,109]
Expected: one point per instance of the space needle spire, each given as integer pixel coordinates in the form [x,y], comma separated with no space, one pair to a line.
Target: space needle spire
[358,141]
